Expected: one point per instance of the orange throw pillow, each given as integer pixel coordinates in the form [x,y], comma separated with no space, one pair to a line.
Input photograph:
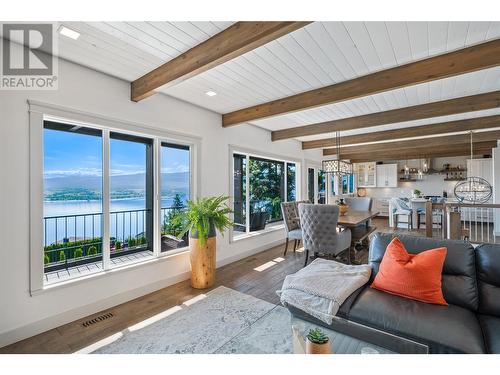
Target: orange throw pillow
[415,276]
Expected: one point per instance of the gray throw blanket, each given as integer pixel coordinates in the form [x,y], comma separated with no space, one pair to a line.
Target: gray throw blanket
[320,288]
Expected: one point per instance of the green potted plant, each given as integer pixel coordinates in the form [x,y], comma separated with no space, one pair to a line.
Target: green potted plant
[317,342]
[46,259]
[62,256]
[417,193]
[118,245]
[202,219]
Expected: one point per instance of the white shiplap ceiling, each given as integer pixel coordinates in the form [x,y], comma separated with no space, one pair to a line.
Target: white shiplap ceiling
[320,54]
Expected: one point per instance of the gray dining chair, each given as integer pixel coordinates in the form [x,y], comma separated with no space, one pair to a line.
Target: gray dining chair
[359,203]
[320,233]
[292,226]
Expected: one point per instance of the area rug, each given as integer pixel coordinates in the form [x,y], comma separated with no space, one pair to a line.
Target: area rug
[223,321]
[203,326]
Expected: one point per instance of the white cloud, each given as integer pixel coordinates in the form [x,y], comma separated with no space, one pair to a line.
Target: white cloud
[176,168]
[91,172]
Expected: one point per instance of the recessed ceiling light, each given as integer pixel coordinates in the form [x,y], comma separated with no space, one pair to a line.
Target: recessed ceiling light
[211,93]
[63,30]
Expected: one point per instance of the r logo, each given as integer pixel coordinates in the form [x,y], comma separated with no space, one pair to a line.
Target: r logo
[36,56]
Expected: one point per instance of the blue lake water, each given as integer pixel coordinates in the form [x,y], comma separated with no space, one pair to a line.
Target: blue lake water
[124,222]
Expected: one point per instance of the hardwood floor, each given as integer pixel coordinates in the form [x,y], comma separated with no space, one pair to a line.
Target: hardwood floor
[240,275]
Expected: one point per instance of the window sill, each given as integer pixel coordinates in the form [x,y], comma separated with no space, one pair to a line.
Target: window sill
[98,275]
[270,228]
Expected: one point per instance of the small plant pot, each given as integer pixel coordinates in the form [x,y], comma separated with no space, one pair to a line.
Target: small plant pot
[315,348]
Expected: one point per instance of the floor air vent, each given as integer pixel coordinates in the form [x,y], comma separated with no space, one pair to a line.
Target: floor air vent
[98,319]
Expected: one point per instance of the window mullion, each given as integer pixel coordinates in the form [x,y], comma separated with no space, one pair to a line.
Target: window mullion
[157,200]
[247,195]
[106,252]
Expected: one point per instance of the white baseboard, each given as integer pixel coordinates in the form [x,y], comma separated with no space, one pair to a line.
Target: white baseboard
[55,321]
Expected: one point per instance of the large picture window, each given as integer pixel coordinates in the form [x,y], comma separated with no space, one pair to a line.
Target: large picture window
[99,199]
[175,192]
[72,201]
[260,185]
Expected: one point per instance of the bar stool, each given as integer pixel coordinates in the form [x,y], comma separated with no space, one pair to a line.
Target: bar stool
[401,208]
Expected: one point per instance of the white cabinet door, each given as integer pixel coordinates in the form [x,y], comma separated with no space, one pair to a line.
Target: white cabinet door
[392,175]
[381,175]
[387,175]
[366,174]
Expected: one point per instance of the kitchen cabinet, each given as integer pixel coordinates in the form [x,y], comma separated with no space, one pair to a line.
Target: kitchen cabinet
[480,168]
[387,175]
[365,174]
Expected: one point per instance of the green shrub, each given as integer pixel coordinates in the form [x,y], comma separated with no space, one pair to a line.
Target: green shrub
[92,250]
[78,253]
[62,256]
[131,242]
[93,241]
[142,240]
[46,259]
[118,245]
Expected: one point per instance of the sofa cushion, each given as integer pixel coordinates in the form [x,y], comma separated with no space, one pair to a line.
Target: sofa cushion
[459,273]
[488,275]
[491,332]
[415,276]
[445,329]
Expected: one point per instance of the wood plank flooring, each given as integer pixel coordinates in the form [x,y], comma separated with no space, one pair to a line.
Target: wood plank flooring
[240,275]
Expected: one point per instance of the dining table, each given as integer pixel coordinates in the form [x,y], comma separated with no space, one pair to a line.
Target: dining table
[359,222]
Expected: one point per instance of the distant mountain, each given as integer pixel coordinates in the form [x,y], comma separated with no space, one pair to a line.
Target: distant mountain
[170,182]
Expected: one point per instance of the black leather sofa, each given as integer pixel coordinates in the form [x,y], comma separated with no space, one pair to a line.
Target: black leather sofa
[471,286]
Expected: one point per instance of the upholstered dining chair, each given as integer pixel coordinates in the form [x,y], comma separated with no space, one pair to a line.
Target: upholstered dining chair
[320,233]
[359,203]
[292,226]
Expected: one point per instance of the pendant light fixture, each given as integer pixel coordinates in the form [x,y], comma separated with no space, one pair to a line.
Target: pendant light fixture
[474,190]
[337,167]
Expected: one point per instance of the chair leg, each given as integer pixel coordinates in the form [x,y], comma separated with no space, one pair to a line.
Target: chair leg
[418,221]
[409,221]
[286,246]
[307,257]
[395,219]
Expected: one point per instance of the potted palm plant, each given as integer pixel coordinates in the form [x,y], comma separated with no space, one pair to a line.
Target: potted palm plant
[202,219]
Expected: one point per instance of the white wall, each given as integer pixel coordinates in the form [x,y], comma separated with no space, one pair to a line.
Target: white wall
[22,315]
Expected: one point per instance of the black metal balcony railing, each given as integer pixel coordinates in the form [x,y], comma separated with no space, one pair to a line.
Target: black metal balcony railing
[75,240]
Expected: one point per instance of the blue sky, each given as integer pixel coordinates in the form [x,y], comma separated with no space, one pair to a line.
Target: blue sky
[69,154]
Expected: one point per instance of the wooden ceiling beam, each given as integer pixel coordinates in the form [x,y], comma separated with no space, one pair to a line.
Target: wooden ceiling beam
[232,42]
[435,109]
[480,148]
[437,142]
[477,123]
[470,59]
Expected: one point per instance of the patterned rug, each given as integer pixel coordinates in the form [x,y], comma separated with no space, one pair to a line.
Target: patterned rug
[221,321]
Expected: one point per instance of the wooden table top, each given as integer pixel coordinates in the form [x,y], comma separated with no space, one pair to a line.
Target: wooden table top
[354,218]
